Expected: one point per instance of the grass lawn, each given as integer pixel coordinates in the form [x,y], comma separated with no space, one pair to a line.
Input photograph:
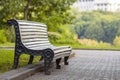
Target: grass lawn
[7,44]
[7,57]
[99,47]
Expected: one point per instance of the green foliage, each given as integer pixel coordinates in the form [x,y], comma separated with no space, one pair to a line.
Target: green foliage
[94,32]
[116,41]
[2,37]
[63,36]
[97,25]
[54,13]
[53,36]
[51,12]
[7,35]
[10,34]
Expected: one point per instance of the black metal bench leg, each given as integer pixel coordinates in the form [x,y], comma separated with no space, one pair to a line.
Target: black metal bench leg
[58,63]
[66,60]
[48,57]
[47,62]
[31,59]
[16,60]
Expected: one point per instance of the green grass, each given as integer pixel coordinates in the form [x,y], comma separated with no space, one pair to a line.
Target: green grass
[7,57]
[7,44]
[78,46]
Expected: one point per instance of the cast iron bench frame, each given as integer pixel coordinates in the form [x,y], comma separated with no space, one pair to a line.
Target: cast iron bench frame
[47,53]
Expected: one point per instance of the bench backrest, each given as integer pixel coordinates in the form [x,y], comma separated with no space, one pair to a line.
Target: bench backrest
[33,34]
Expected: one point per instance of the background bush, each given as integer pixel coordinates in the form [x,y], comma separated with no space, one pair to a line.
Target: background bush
[3,38]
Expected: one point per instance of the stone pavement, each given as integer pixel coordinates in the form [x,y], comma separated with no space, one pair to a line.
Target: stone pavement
[86,65]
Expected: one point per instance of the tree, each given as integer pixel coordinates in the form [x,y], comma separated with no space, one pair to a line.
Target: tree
[94,32]
[51,12]
[101,26]
[80,29]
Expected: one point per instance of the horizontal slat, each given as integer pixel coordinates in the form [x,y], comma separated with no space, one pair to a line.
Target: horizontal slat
[51,47]
[62,50]
[24,22]
[33,36]
[33,30]
[32,27]
[61,47]
[38,45]
[41,47]
[38,42]
[33,33]
[32,40]
[56,56]
[62,53]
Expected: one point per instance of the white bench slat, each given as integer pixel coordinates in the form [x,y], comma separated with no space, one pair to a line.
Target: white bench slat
[24,22]
[31,34]
[56,56]
[34,36]
[56,50]
[39,45]
[33,30]
[23,33]
[62,53]
[62,50]
[37,42]
[61,47]
[34,40]
[32,27]
[42,47]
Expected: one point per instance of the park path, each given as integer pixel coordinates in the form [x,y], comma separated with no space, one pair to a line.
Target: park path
[87,65]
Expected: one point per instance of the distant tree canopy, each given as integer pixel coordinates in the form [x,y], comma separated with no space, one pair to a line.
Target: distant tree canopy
[97,25]
[51,12]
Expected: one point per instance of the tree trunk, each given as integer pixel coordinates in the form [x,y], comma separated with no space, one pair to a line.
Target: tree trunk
[26,10]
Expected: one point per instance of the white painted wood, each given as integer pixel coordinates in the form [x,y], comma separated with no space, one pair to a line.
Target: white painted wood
[34,36]
[25,22]
[39,45]
[35,39]
[32,27]
[62,50]
[37,42]
[31,33]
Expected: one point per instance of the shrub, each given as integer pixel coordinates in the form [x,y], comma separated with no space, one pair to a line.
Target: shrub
[2,36]
[10,34]
[53,36]
[90,42]
[116,41]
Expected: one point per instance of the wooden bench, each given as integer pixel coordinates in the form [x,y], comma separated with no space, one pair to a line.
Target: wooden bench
[32,39]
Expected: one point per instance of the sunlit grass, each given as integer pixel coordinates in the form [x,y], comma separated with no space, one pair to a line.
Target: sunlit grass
[89,47]
[7,57]
[7,44]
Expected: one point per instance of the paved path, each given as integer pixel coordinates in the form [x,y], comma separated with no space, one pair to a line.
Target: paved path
[87,65]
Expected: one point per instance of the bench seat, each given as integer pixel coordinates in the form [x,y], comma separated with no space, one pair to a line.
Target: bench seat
[32,39]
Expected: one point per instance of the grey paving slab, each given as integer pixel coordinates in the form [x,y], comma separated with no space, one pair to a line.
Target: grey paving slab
[87,65]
